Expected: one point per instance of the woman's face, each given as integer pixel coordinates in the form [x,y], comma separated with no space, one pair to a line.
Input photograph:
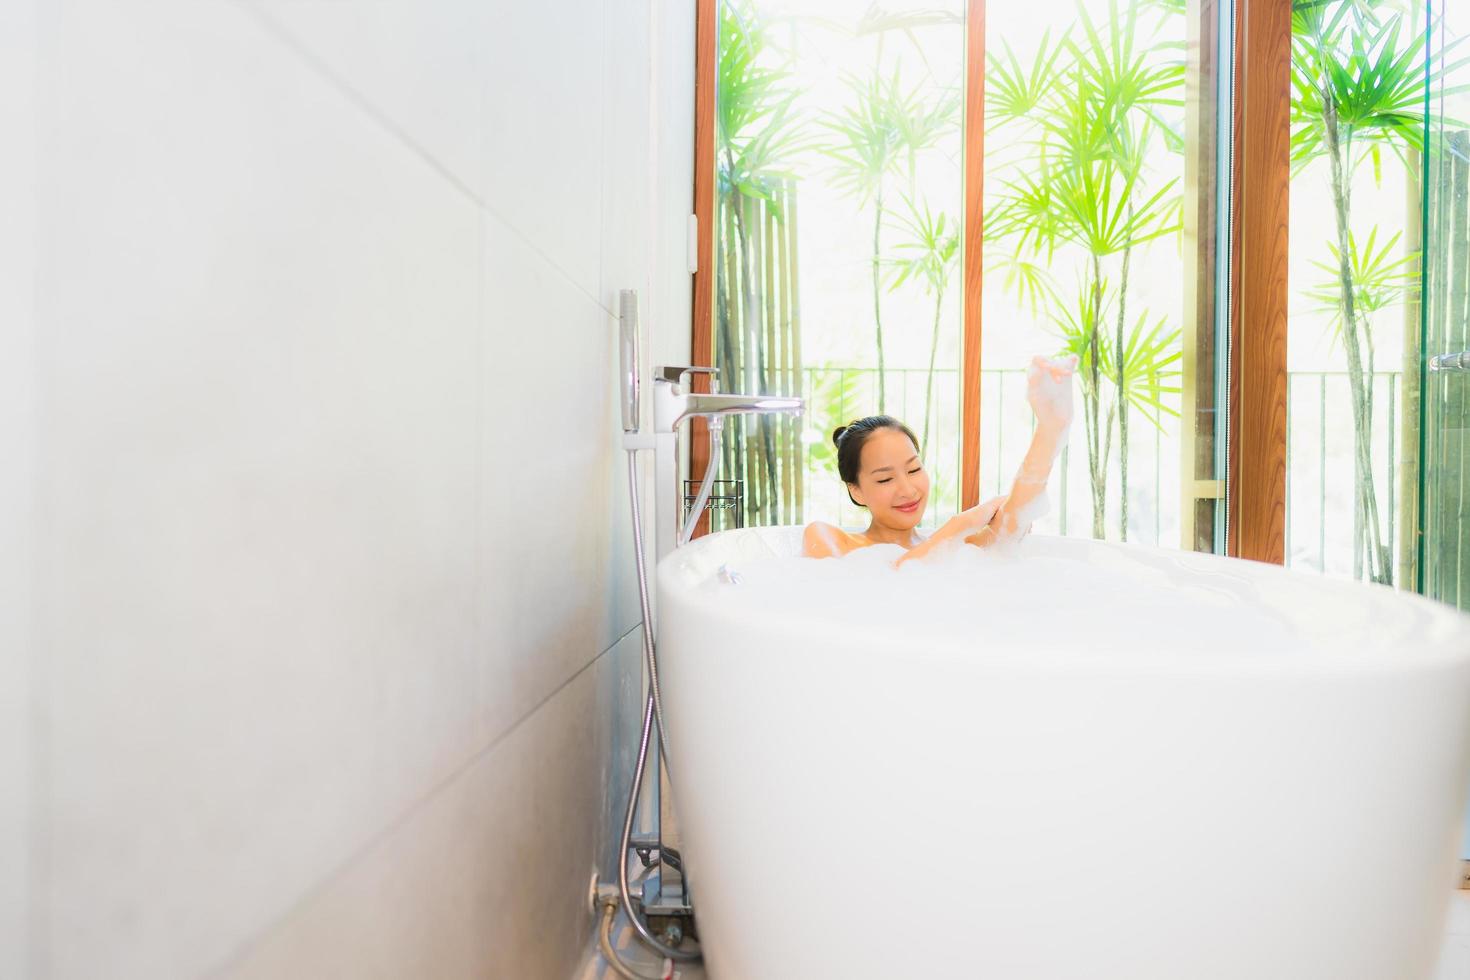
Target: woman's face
[892,483]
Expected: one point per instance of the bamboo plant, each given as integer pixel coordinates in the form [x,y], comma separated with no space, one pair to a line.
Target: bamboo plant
[758,133]
[882,128]
[929,255]
[1096,107]
[1359,79]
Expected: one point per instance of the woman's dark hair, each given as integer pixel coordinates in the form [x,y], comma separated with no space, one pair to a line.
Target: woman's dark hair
[849,441]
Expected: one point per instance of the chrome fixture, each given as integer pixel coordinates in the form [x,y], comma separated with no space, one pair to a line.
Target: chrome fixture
[673,402]
[1450,362]
[628,357]
[665,893]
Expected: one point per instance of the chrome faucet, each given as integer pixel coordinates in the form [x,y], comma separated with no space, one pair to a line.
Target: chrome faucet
[673,402]
[664,893]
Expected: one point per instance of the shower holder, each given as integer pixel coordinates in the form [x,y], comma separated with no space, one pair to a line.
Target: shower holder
[726,496]
[657,906]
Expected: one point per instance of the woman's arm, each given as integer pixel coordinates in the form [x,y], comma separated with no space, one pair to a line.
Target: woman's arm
[1049,390]
[965,525]
[1029,487]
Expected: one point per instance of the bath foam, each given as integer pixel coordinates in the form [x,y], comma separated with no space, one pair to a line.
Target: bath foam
[1029,596]
[1001,597]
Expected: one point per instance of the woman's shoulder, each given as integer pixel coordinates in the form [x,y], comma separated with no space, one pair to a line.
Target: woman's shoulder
[823,540]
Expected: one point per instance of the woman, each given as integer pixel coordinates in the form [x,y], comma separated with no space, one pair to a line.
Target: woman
[878,459]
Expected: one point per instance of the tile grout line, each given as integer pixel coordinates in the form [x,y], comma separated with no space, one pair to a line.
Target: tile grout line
[35,837]
[398,822]
[482,670]
[602,172]
[279,33]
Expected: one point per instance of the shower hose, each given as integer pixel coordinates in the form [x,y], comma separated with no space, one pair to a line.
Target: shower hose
[653,710]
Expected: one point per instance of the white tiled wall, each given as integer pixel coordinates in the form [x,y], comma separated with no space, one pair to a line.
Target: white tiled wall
[334,618]
[17,340]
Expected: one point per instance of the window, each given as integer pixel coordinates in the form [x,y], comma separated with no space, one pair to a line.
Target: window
[837,238]
[1361,81]
[1441,458]
[843,260]
[1085,252]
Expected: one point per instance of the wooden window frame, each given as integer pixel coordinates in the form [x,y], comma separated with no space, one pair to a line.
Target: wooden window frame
[972,253]
[1256,436]
[1260,195]
[706,62]
[701,347]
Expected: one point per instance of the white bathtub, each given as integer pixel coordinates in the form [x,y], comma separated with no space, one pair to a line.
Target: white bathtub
[856,804]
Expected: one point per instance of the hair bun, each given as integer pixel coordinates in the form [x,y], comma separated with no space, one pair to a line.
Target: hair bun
[837,435]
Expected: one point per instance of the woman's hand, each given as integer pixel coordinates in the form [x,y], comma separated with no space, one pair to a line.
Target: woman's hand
[1049,391]
[964,525]
[977,517]
[968,522]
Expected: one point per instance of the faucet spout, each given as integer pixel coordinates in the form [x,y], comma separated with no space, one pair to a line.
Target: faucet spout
[673,402]
[710,406]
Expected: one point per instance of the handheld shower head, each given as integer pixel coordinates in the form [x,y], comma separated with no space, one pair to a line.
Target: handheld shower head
[628,356]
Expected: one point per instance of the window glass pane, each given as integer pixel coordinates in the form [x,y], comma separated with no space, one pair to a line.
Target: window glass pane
[1358,104]
[838,238]
[838,248]
[1444,445]
[1101,216]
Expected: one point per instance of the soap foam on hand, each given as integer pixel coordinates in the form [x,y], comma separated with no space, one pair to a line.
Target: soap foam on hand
[1049,393]
[1049,390]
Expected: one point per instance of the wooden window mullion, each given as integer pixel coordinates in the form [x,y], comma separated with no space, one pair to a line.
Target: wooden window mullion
[974,266]
[1256,485]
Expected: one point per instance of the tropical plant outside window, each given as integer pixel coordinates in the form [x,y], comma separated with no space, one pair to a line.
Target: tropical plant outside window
[839,254]
[1443,552]
[1084,202]
[837,239]
[838,246]
[1361,76]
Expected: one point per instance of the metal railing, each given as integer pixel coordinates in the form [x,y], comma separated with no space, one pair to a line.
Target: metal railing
[1316,401]
[1318,413]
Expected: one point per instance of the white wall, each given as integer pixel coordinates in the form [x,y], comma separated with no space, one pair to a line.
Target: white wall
[333,607]
[17,340]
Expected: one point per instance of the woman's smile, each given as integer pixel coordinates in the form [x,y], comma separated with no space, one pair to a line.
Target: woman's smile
[910,507]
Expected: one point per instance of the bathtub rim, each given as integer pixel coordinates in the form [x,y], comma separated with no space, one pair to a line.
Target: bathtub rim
[1440,640]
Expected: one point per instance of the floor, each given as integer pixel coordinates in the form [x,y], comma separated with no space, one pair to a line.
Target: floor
[1454,960]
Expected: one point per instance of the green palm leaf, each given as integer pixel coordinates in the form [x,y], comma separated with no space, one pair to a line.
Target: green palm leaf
[1380,278]
[1151,353]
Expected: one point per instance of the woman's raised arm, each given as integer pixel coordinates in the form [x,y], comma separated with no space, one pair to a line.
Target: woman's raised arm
[1049,391]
